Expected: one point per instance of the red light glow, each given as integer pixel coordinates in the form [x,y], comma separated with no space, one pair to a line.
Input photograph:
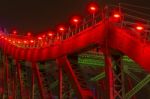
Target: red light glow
[19,42]
[116,15]
[14,32]
[44,36]
[61,28]
[92,8]
[75,20]
[29,34]
[50,34]
[5,38]
[31,41]
[139,28]
[25,41]
[40,38]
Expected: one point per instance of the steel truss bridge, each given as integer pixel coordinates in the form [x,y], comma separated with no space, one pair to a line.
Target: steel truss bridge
[60,67]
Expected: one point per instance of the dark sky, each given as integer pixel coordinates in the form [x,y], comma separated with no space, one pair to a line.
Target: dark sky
[42,15]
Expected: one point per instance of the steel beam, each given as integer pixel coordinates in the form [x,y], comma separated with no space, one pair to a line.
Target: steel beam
[32,86]
[138,87]
[119,87]
[37,74]
[82,94]
[60,81]
[20,80]
[109,76]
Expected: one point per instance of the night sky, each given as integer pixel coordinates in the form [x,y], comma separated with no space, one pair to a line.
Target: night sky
[42,15]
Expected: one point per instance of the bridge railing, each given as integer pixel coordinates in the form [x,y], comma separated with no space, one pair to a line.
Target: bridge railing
[127,21]
[132,18]
[34,42]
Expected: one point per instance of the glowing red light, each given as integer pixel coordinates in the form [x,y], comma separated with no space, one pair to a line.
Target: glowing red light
[31,41]
[139,28]
[19,42]
[50,34]
[116,15]
[9,40]
[25,41]
[14,32]
[75,20]
[5,38]
[61,28]
[43,36]
[29,34]
[40,38]
[92,8]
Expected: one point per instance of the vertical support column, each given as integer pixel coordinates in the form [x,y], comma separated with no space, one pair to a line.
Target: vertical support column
[60,82]
[37,74]
[118,78]
[32,86]
[83,93]
[7,77]
[71,75]
[20,81]
[2,82]
[14,85]
[109,75]
[15,82]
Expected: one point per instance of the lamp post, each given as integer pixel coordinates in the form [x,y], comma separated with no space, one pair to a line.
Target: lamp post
[75,21]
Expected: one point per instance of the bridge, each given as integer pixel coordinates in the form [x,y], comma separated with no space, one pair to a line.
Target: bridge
[60,65]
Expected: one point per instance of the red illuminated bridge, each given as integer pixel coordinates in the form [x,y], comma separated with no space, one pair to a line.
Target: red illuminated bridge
[105,55]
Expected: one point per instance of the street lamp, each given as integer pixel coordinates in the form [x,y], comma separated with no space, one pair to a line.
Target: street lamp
[61,31]
[93,9]
[75,21]
[14,32]
[29,34]
[139,28]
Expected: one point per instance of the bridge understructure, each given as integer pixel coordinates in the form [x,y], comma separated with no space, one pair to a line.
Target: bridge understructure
[91,62]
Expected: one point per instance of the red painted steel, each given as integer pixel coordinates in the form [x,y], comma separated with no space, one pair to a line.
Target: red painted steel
[20,80]
[109,76]
[60,81]
[7,76]
[33,80]
[82,93]
[118,38]
[37,74]
[86,38]
[131,45]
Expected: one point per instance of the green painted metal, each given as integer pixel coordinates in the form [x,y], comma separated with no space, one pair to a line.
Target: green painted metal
[91,63]
[138,87]
[97,60]
[91,59]
[133,76]
[98,77]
